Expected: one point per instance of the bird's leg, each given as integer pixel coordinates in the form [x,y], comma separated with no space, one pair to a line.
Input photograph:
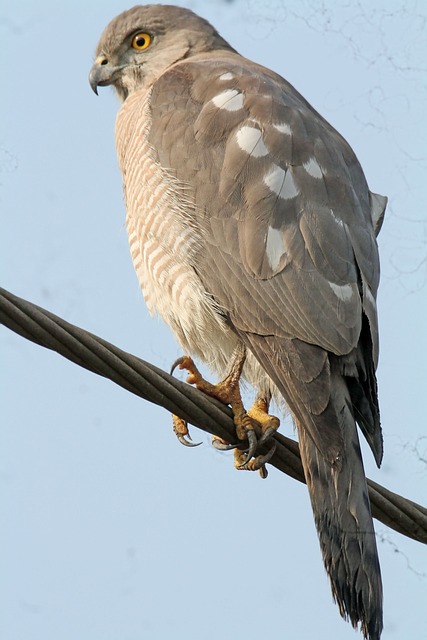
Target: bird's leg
[248,424]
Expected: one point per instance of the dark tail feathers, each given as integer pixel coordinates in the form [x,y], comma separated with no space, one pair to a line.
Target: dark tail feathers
[340,502]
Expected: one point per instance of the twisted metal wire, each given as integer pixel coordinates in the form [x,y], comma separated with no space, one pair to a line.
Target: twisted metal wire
[147,381]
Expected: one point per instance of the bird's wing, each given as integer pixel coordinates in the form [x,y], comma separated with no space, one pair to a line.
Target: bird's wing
[285,216]
[284,205]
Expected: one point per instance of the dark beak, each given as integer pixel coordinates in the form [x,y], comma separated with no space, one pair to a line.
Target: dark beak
[102,73]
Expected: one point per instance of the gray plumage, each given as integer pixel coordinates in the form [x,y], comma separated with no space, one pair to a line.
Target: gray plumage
[250,219]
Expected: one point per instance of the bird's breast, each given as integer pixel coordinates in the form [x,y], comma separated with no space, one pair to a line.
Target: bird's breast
[165,241]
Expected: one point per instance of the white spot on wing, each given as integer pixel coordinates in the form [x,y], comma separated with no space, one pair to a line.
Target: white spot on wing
[282,183]
[250,140]
[226,76]
[275,179]
[313,169]
[283,127]
[344,292]
[290,189]
[274,247]
[231,100]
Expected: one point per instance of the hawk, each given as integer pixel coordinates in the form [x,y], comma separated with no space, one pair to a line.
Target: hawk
[252,228]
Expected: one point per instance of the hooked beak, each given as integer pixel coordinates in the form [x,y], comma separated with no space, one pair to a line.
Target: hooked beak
[102,73]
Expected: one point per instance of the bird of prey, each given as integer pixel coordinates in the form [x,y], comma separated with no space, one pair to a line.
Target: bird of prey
[252,229]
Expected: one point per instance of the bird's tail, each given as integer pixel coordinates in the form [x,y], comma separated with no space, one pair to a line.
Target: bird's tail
[340,502]
[324,393]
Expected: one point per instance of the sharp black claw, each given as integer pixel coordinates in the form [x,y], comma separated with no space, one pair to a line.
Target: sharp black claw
[223,446]
[250,451]
[253,443]
[176,364]
[264,459]
[266,435]
[187,443]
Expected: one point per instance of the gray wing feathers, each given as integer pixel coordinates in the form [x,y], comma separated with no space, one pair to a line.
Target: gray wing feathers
[287,199]
[284,213]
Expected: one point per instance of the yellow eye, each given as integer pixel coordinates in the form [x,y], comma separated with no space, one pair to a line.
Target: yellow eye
[141,41]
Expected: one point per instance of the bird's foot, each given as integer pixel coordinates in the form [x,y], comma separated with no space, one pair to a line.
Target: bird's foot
[221,391]
[255,426]
[259,428]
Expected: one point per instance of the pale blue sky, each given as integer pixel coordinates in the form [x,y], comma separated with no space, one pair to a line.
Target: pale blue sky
[110,529]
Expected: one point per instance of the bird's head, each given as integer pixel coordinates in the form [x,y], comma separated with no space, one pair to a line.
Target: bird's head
[141,43]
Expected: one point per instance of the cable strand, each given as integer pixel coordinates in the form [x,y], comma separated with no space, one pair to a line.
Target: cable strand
[154,385]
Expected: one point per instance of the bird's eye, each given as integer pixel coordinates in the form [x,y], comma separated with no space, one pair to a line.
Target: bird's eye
[141,41]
